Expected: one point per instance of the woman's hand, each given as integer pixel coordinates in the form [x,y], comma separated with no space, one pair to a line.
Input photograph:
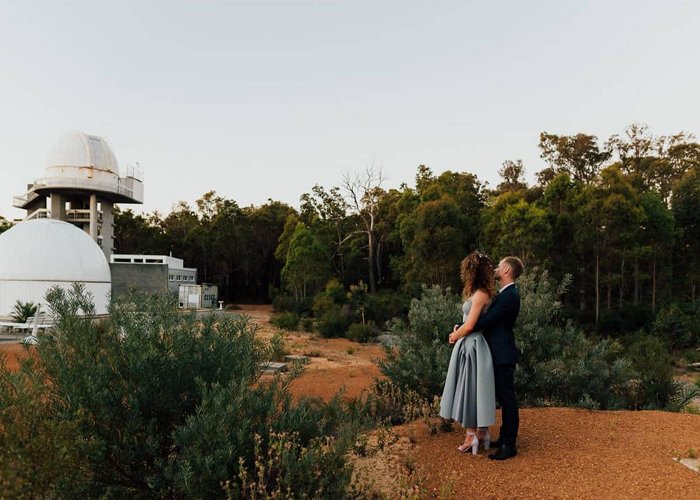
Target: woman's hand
[454,337]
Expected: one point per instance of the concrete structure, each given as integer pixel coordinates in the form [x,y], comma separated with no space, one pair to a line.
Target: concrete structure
[177,274]
[81,185]
[35,255]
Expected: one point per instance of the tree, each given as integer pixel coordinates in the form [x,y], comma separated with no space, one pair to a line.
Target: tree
[364,193]
[328,211]
[135,233]
[685,204]
[306,266]
[512,226]
[512,174]
[654,162]
[579,154]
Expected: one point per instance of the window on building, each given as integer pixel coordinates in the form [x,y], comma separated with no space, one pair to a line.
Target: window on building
[191,278]
[171,277]
[179,278]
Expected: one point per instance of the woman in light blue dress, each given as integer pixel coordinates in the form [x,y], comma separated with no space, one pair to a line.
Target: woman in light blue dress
[469,396]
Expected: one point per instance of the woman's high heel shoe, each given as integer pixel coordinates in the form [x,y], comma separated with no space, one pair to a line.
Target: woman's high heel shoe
[473,445]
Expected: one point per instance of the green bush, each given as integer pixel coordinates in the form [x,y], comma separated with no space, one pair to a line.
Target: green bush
[22,311]
[286,321]
[277,348]
[307,324]
[559,364]
[652,361]
[385,305]
[154,403]
[333,322]
[362,333]
[678,326]
[420,358]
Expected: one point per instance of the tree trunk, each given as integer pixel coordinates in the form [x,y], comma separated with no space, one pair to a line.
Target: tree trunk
[622,279]
[370,261]
[636,279]
[597,285]
[653,281]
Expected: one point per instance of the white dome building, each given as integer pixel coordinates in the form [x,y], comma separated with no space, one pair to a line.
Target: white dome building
[81,184]
[38,254]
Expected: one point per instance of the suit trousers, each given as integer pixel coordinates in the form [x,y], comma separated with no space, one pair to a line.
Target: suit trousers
[504,377]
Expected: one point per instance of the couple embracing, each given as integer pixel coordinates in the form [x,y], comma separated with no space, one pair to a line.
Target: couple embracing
[482,365]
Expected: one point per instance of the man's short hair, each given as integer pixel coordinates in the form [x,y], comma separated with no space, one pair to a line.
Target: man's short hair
[516,266]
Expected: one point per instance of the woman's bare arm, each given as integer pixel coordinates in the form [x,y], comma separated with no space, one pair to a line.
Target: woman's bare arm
[479,301]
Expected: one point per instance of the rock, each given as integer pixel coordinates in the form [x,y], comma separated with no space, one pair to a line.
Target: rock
[296,358]
[273,367]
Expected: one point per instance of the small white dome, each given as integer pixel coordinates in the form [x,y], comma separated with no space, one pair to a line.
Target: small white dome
[51,250]
[77,149]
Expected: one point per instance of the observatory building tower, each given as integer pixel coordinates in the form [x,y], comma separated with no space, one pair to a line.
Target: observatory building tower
[81,185]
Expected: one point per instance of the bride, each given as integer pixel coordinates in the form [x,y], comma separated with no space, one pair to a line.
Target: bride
[469,395]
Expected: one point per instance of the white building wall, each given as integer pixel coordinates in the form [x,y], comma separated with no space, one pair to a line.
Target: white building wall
[35,291]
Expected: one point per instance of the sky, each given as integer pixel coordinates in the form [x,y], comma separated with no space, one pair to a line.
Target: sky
[261,100]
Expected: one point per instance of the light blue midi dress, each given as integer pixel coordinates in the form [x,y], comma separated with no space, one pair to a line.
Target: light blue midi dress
[469,396]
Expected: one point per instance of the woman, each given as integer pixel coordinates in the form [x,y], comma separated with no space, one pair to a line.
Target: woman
[469,396]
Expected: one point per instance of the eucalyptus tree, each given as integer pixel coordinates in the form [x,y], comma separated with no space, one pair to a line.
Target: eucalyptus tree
[512,175]
[364,191]
[579,155]
[441,224]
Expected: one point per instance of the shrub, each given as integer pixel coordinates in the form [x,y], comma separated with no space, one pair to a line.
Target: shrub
[286,321]
[385,305]
[307,324]
[420,358]
[22,311]
[678,326]
[559,363]
[333,315]
[388,403]
[277,348]
[333,322]
[362,333]
[154,403]
[652,361]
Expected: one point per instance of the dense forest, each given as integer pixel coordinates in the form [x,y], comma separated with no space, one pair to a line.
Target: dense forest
[621,216]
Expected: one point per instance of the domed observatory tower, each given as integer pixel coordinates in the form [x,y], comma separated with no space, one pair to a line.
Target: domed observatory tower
[36,255]
[81,185]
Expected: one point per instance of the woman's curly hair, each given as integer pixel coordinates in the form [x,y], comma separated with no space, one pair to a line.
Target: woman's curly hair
[477,273]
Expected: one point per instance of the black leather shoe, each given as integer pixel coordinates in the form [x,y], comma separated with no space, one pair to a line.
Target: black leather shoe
[504,453]
[496,444]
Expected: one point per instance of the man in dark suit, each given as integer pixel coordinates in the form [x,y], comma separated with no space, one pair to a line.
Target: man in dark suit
[497,325]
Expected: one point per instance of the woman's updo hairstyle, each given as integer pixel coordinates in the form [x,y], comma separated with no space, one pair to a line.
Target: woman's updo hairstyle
[477,273]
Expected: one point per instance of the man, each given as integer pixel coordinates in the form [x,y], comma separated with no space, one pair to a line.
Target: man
[497,326]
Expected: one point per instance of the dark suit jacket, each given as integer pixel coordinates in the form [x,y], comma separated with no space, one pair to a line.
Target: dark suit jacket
[497,326]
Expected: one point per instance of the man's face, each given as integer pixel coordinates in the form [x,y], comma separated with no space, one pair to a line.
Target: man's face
[500,268]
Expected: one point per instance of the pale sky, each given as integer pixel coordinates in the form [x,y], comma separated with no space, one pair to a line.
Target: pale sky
[263,99]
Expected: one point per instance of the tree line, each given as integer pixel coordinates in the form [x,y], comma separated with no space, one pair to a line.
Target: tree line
[621,216]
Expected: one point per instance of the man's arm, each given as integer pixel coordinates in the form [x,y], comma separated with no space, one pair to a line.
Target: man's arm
[506,305]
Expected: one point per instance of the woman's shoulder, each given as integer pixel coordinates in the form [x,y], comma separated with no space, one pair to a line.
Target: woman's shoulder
[480,296]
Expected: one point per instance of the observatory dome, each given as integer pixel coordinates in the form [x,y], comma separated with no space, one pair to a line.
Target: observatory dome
[77,149]
[38,254]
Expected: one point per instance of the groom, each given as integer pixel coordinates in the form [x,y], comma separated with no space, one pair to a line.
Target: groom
[497,326]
